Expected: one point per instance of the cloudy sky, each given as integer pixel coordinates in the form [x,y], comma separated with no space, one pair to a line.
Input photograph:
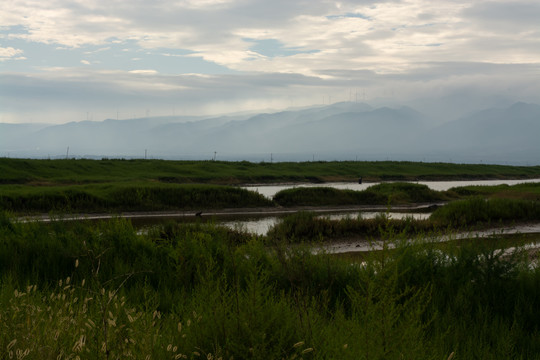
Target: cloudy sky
[72,60]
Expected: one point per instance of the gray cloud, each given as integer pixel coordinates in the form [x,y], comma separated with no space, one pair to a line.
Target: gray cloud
[324,49]
[518,14]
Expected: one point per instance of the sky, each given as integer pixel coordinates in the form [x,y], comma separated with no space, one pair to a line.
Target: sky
[74,60]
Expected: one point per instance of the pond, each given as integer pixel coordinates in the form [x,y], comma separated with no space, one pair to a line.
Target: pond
[259,222]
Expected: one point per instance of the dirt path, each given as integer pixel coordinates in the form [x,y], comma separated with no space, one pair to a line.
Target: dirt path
[230,212]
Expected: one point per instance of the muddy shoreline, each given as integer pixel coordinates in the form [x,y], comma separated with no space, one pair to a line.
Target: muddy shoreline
[363,245]
[262,211]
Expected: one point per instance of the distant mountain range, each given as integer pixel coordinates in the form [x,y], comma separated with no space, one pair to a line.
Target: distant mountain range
[341,131]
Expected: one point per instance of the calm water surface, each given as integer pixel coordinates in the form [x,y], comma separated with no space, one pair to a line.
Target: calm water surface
[260,224]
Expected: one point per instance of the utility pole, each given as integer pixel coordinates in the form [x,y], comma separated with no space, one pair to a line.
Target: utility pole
[67,153]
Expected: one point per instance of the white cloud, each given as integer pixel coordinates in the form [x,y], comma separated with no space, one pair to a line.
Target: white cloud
[10,53]
[143,72]
[85,62]
[379,36]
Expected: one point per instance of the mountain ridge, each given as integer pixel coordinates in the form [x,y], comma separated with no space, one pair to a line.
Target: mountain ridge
[341,131]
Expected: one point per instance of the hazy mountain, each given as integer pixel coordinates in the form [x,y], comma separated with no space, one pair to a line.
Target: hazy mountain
[456,105]
[14,137]
[339,131]
[507,134]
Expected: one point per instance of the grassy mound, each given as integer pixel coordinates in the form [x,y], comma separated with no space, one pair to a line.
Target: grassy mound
[382,194]
[128,197]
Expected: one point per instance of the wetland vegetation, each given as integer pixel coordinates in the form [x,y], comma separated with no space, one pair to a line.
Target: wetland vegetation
[200,291]
[104,290]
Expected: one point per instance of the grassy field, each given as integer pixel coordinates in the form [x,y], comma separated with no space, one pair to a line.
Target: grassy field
[48,172]
[37,186]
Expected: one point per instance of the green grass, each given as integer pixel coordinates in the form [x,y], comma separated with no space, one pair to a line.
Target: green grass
[478,211]
[90,171]
[326,196]
[475,212]
[30,186]
[103,291]
[527,191]
[118,197]
[308,227]
[382,194]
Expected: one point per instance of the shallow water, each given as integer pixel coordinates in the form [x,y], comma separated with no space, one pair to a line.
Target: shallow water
[362,245]
[259,223]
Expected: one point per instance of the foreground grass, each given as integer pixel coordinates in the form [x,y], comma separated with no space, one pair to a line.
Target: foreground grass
[102,291]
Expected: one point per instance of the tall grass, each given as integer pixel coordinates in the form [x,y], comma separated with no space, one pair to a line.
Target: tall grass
[382,194]
[127,197]
[525,191]
[200,292]
[462,214]
[305,226]
[477,211]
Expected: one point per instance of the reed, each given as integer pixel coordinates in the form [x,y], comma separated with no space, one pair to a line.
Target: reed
[478,211]
[381,194]
[198,292]
[120,197]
